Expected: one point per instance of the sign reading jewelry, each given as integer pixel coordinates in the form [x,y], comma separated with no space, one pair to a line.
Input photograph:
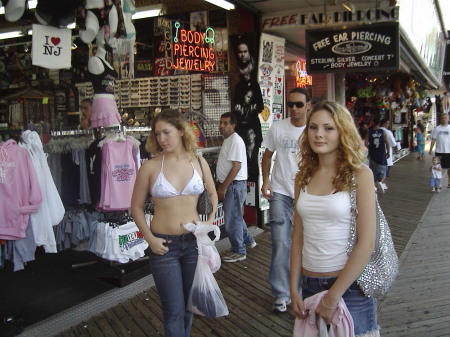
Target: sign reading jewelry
[192,50]
[360,48]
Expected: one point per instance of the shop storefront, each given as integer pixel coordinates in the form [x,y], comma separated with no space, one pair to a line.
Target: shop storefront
[182,61]
[368,57]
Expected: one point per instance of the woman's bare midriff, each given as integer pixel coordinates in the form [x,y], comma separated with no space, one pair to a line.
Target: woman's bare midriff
[172,213]
[316,274]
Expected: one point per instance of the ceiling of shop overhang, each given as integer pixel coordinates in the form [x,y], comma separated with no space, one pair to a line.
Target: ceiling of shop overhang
[295,37]
[178,6]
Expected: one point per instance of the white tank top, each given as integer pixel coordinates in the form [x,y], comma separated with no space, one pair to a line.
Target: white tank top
[326,229]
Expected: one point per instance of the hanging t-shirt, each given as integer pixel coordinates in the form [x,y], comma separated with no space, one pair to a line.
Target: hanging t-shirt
[94,166]
[118,175]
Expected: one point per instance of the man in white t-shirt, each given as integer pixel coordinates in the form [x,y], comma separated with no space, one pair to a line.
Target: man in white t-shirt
[282,138]
[384,125]
[231,171]
[441,137]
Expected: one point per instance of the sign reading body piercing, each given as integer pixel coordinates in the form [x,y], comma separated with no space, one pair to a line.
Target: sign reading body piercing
[192,50]
[51,47]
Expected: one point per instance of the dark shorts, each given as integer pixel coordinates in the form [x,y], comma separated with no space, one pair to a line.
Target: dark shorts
[445,159]
[379,171]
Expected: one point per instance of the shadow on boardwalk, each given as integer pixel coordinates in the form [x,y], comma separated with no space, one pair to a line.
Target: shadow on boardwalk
[416,306]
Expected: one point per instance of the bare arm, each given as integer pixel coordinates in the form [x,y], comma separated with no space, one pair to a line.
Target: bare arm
[433,141]
[266,189]
[365,231]
[388,145]
[296,262]
[210,186]
[222,189]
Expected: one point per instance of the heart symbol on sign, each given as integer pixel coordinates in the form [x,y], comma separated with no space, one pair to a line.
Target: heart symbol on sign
[56,40]
[278,91]
[279,79]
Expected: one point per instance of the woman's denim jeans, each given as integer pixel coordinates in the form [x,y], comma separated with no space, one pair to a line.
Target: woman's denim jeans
[235,225]
[363,309]
[173,274]
[280,216]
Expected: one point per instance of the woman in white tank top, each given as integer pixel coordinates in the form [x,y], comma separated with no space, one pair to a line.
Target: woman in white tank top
[331,154]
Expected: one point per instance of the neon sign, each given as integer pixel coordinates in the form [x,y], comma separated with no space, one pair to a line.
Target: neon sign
[192,50]
[302,79]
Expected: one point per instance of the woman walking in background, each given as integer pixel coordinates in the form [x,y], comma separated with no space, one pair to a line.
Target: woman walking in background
[330,166]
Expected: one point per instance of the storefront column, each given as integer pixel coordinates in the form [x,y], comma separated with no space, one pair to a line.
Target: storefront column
[339,88]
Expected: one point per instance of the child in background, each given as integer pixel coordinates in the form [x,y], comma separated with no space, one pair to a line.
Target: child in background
[436,174]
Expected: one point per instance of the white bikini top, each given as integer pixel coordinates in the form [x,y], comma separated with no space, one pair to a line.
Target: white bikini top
[162,188]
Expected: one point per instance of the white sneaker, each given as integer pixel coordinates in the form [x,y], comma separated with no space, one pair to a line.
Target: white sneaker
[280,305]
[251,244]
[234,257]
[433,190]
[384,186]
[380,187]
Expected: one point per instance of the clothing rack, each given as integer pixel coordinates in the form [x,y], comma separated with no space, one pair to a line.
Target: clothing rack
[137,129]
[70,133]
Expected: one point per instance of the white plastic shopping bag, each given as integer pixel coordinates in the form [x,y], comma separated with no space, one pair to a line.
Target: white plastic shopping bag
[206,246]
[205,298]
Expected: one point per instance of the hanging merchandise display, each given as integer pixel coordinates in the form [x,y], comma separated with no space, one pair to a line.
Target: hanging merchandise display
[52,47]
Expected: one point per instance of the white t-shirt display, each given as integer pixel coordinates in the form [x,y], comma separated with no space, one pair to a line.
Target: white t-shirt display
[442,136]
[233,149]
[282,138]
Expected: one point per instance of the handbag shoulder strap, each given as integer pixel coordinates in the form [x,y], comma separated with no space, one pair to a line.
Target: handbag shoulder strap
[354,212]
[201,168]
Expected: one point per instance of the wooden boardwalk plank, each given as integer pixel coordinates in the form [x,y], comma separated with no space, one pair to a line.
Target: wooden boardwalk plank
[104,326]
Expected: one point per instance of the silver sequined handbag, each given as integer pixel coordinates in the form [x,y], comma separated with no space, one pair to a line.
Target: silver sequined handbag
[380,273]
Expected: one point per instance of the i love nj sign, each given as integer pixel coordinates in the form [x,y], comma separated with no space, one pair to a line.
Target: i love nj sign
[51,47]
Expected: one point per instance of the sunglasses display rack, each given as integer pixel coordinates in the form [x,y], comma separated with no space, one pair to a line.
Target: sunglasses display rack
[85,90]
[216,101]
[196,93]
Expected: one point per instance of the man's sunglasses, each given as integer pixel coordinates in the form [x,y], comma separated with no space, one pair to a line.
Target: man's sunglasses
[299,105]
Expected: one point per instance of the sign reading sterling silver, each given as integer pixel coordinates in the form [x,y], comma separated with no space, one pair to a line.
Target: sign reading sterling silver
[359,48]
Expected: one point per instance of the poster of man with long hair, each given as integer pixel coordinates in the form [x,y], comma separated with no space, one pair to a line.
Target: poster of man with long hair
[248,101]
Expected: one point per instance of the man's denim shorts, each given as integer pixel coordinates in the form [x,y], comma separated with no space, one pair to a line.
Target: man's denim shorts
[379,171]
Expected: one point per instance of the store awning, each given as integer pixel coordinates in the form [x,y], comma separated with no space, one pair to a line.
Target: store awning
[412,63]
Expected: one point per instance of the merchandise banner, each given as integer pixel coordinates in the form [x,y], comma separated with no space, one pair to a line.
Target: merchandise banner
[355,49]
[51,47]
[271,80]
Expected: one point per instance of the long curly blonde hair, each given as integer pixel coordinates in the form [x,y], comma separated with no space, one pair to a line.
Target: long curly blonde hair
[351,152]
[176,119]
